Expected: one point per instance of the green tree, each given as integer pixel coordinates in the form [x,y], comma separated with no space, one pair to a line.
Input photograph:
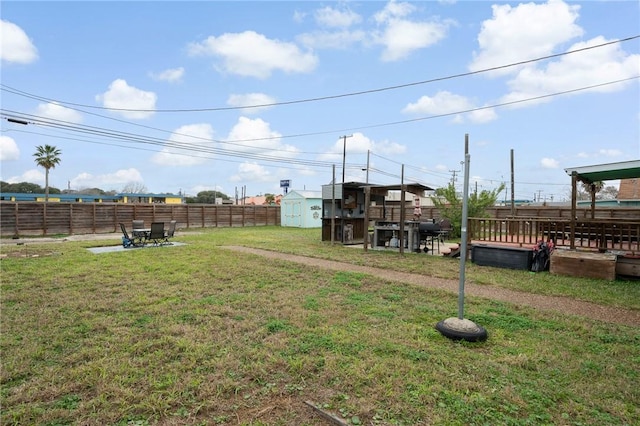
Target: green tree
[21,187]
[269,199]
[449,203]
[206,197]
[48,157]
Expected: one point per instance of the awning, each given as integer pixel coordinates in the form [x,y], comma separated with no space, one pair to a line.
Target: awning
[603,172]
[414,188]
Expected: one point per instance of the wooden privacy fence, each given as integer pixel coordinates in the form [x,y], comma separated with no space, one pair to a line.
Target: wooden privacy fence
[31,218]
[601,234]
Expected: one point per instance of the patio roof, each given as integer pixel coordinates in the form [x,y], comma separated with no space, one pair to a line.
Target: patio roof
[414,188]
[603,172]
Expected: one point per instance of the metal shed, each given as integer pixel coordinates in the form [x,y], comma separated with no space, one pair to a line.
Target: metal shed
[301,209]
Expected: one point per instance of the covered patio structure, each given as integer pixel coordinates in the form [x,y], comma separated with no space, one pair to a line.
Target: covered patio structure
[615,231]
[590,175]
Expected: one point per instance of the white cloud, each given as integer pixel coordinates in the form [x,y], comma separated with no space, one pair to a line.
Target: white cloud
[249,99]
[442,103]
[194,190]
[33,176]
[394,10]
[9,150]
[482,115]
[172,75]
[108,180]
[256,137]
[332,17]
[252,54]
[179,149]
[610,152]
[549,163]
[600,153]
[122,96]
[251,172]
[526,31]
[58,112]
[445,103]
[15,45]
[401,37]
[577,70]
[331,40]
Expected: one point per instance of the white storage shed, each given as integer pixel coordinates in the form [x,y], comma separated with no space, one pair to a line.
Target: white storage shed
[301,209]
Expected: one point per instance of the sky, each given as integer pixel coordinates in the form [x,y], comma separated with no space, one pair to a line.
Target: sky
[237,97]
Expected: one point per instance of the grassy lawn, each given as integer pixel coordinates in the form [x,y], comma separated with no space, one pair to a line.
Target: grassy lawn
[201,335]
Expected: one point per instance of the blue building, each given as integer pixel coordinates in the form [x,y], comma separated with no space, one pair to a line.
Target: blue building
[301,209]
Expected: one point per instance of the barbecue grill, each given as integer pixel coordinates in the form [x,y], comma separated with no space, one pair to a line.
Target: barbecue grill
[431,232]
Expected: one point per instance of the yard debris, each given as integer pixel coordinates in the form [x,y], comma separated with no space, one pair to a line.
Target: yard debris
[327,415]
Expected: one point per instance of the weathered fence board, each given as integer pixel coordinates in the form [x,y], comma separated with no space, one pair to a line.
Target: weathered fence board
[32,218]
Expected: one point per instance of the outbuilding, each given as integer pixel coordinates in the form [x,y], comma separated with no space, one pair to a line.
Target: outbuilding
[301,209]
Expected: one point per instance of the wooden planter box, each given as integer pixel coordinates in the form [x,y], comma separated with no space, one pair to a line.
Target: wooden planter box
[628,266]
[583,264]
[502,257]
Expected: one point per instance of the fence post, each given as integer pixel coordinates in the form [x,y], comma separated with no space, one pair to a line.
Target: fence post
[17,232]
[44,217]
[71,219]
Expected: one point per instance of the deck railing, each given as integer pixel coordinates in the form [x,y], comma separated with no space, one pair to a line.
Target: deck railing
[596,234]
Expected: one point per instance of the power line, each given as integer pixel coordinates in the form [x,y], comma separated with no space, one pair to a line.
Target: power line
[323,98]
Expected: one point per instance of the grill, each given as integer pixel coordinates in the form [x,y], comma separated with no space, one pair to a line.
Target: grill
[429,229]
[433,231]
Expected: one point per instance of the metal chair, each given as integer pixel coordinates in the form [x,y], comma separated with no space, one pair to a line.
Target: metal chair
[128,241]
[157,234]
[169,232]
[445,229]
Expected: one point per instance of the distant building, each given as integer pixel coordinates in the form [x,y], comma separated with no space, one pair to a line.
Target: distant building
[629,192]
[93,198]
[260,200]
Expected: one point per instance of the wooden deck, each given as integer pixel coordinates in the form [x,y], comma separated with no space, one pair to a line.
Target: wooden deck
[619,240]
[597,234]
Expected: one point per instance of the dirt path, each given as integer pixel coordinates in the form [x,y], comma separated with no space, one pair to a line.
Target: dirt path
[565,305]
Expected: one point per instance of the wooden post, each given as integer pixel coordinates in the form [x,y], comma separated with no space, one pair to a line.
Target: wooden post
[574,198]
[44,217]
[593,200]
[367,202]
[15,210]
[115,217]
[71,219]
[402,201]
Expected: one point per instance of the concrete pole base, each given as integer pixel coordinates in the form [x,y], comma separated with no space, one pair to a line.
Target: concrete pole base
[462,329]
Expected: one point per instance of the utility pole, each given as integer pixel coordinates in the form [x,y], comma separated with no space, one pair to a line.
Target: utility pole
[513,184]
[453,178]
[367,179]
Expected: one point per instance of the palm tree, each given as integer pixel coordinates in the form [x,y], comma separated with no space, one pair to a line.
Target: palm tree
[47,156]
[596,187]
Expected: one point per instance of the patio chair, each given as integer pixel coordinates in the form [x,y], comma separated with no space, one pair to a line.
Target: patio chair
[137,224]
[445,229]
[127,241]
[157,235]
[169,232]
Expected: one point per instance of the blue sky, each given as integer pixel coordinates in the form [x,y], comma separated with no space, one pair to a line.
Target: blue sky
[192,96]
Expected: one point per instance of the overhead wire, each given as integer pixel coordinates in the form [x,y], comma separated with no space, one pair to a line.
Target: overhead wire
[343,95]
[182,145]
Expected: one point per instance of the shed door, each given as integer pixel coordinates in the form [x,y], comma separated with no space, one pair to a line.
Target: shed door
[292,214]
[296,214]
